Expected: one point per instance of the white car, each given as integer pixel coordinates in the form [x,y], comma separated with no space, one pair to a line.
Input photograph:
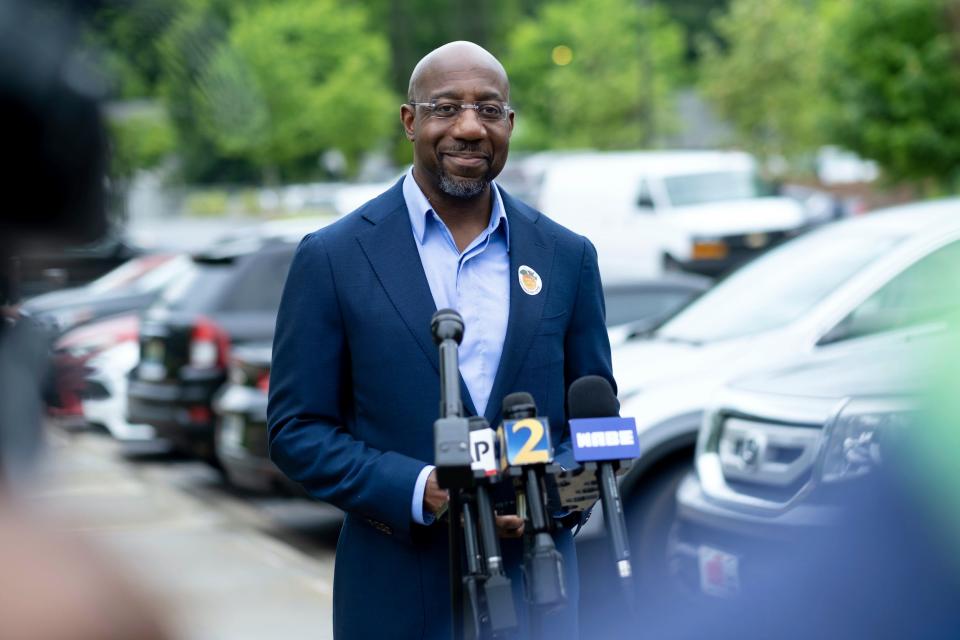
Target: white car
[863,278]
[105,401]
[705,211]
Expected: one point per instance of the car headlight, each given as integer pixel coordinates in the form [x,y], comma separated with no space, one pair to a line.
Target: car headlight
[863,433]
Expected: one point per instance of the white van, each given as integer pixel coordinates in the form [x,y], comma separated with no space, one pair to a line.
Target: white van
[704,211]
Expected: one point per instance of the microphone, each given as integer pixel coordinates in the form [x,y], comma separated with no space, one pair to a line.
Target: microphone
[599,435]
[525,451]
[451,433]
[501,615]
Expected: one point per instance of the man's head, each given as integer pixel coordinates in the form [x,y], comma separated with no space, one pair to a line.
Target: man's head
[458,155]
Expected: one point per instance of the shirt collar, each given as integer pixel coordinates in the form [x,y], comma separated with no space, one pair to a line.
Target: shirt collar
[419,209]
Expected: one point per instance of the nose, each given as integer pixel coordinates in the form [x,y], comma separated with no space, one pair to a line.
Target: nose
[468,126]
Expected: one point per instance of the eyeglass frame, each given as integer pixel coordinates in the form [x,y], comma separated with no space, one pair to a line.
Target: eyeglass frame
[464,105]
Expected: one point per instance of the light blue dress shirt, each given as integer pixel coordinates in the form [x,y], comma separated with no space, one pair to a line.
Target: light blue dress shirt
[475,282]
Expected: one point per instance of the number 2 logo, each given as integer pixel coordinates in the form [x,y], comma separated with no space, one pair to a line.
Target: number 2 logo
[528,453]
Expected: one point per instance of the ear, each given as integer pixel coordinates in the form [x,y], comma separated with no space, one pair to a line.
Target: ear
[407,116]
[512,116]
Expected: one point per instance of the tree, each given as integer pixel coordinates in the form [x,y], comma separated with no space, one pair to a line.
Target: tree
[895,72]
[295,78]
[766,82]
[593,74]
[186,49]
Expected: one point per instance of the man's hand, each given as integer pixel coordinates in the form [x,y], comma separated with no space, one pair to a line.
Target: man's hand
[509,526]
[434,498]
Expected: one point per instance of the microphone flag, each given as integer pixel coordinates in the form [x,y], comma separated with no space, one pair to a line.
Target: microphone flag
[596,439]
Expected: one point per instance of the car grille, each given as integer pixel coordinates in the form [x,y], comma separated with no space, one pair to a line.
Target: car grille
[761,464]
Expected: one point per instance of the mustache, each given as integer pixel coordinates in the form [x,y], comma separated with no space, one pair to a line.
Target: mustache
[464,147]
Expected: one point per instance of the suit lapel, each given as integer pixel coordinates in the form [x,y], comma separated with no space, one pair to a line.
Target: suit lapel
[529,246]
[392,252]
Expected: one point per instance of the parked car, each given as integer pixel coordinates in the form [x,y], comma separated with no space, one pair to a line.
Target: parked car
[852,278]
[647,212]
[778,449]
[104,394]
[42,271]
[70,366]
[132,286]
[230,298]
[241,432]
[241,405]
[638,307]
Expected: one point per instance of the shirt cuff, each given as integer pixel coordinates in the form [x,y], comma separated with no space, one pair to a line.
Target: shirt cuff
[416,508]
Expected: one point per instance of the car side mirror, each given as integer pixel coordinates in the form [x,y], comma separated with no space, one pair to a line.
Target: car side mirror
[645,203]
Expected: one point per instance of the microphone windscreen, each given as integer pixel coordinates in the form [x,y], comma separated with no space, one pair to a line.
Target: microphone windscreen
[518,400]
[592,397]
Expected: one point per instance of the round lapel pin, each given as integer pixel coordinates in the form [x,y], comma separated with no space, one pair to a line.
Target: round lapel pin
[530,280]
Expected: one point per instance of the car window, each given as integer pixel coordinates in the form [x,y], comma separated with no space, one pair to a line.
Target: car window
[632,305]
[198,289]
[716,186]
[779,286]
[259,286]
[928,290]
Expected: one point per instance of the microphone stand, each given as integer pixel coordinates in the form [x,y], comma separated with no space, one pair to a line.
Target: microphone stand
[543,564]
[481,599]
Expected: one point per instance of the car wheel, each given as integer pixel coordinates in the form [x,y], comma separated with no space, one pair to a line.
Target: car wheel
[651,512]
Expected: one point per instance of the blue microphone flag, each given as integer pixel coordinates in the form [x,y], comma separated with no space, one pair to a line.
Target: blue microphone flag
[597,439]
[525,441]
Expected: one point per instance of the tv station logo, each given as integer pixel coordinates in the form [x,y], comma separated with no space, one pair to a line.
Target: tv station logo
[525,441]
[596,439]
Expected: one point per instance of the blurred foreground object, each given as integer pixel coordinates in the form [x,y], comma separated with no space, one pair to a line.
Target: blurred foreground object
[65,591]
[54,158]
[53,167]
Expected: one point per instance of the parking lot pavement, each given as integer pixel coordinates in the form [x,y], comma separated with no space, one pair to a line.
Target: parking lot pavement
[224,566]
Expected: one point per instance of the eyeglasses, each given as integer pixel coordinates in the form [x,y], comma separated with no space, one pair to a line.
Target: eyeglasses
[446,110]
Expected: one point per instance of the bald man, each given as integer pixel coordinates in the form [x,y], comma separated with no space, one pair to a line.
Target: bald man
[355,386]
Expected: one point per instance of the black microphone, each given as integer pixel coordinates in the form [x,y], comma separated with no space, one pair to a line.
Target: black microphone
[525,451]
[451,433]
[498,593]
[599,435]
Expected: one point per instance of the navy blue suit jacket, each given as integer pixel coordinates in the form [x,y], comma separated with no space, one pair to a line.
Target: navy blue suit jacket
[355,389]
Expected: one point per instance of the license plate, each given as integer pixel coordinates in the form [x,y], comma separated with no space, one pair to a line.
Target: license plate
[719,572]
[151,371]
[231,432]
[756,240]
[153,351]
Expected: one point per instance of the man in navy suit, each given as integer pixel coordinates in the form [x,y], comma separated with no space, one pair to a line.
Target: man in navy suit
[355,385]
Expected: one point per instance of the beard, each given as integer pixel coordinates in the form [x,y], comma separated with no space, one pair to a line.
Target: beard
[463,188]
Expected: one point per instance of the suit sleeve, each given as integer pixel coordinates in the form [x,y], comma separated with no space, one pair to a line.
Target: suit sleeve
[310,395]
[587,344]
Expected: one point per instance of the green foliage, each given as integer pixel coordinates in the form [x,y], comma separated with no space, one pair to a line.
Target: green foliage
[614,93]
[415,27]
[295,78]
[139,142]
[697,17]
[185,51]
[126,34]
[766,82]
[895,71]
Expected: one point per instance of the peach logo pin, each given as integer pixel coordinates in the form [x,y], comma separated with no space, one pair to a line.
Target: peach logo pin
[530,280]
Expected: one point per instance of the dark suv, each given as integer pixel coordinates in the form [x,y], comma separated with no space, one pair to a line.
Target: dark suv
[231,298]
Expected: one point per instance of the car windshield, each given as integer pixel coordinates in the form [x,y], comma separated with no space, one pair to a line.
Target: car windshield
[698,188]
[630,305]
[128,274]
[778,287]
[198,289]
